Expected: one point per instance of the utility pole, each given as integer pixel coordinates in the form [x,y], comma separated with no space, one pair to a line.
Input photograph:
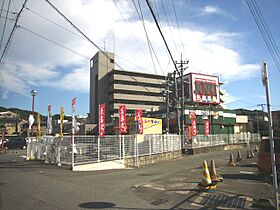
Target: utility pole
[167,91]
[181,67]
[271,140]
[177,102]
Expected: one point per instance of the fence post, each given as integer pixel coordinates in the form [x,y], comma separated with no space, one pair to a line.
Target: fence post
[120,145]
[150,147]
[58,155]
[137,151]
[123,148]
[135,145]
[73,156]
[161,143]
[98,149]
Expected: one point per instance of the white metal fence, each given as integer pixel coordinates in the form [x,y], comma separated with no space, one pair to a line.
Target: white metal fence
[223,139]
[88,149]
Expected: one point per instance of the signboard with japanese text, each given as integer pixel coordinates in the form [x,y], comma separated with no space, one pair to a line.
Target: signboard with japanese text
[206,127]
[194,127]
[122,119]
[203,88]
[102,119]
[139,120]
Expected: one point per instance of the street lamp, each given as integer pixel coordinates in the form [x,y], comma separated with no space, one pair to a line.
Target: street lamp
[33,93]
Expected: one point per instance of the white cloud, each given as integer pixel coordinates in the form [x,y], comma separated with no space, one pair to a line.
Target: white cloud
[211,10]
[38,62]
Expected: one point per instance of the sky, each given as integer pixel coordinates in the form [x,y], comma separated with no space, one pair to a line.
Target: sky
[217,37]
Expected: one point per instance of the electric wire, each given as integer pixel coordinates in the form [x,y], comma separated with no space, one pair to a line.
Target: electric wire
[2,7]
[83,34]
[87,38]
[167,20]
[136,40]
[269,34]
[4,28]
[178,26]
[166,45]
[146,34]
[264,33]
[50,21]
[12,33]
[52,41]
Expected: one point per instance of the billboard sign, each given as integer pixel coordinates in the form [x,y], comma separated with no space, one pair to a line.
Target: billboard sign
[204,89]
[102,119]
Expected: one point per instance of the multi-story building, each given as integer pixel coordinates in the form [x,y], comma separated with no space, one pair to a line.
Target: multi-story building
[115,87]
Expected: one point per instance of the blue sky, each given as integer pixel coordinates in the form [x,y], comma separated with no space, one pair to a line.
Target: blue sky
[219,37]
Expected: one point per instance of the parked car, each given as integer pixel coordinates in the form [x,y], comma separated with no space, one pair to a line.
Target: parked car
[264,158]
[16,142]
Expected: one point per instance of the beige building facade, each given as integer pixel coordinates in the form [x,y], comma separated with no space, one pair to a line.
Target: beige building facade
[116,87]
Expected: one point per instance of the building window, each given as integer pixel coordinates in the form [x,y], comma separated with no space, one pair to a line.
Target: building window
[91,63]
[112,60]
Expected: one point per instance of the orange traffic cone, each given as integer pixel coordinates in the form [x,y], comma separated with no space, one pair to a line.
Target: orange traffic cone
[252,153]
[206,183]
[239,158]
[248,154]
[213,174]
[231,160]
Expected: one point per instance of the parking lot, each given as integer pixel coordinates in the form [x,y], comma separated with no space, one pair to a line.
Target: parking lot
[165,185]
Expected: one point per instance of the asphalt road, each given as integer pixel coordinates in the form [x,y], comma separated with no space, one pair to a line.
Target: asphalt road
[167,185]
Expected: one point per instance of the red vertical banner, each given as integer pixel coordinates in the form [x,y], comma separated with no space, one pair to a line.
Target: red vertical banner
[194,127]
[122,119]
[102,119]
[206,127]
[139,121]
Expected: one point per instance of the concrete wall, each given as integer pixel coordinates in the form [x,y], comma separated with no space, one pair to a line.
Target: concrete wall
[144,160]
[201,150]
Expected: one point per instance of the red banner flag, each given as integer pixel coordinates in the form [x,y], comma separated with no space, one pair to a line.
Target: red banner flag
[194,132]
[102,119]
[122,119]
[139,121]
[206,127]
[49,108]
[74,104]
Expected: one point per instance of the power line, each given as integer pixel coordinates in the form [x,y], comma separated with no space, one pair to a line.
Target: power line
[4,28]
[155,19]
[150,47]
[12,33]
[130,30]
[74,26]
[50,21]
[265,32]
[178,26]
[167,20]
[54,42]
[2,7]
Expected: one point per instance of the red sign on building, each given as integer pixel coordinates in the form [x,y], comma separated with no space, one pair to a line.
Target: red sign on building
[206,127]
[194,127]
[139,121]
[102,119]
[122,119]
